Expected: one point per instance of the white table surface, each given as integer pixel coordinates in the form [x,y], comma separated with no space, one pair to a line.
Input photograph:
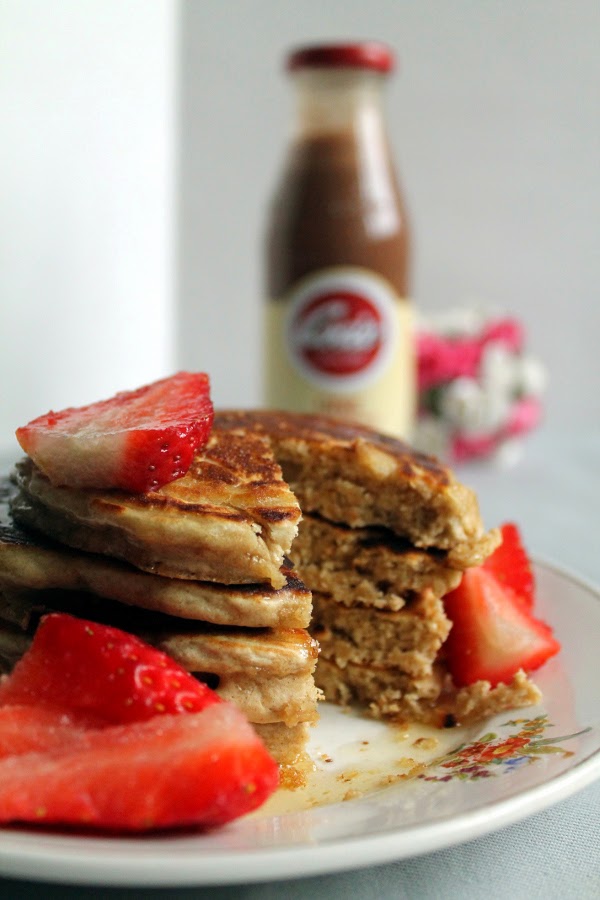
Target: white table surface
[554,495]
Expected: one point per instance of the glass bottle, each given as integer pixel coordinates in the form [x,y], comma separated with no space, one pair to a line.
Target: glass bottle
[338,335]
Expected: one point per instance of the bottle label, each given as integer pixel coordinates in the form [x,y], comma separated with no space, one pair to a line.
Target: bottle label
[341,330]
[341,343]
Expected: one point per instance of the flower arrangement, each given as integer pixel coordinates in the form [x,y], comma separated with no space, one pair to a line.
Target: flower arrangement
[480,392]
[497,753]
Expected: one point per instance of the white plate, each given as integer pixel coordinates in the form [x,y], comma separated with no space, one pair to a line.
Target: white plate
[507,770]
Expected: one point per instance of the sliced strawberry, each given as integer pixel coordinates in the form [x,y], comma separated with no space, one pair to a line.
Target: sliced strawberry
[201,769]
[34,729]
[511,566]
[101,672]
[99,729]
[493,635]
[136,441]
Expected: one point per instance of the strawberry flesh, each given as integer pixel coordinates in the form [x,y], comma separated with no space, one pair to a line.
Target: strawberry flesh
[201,769]
[137,441]
[511,566]
[98,729]
[32,729]
[137,681]
[493,635]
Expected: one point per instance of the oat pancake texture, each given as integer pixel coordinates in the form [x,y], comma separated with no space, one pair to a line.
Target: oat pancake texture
[230,519]
[29,561]
[356,476]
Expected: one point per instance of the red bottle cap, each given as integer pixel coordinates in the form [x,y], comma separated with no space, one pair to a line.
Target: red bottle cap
[364,55]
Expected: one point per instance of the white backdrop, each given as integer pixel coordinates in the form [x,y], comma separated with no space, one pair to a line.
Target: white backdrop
[141,141]
[87,153]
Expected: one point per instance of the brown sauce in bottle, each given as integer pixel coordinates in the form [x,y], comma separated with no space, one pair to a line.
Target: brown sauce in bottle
[322,215]
[339,338]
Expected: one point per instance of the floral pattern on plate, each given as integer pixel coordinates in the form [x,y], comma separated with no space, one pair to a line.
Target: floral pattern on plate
[494,754]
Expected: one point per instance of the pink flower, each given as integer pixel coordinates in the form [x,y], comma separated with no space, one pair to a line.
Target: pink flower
[465,447]
[443,359]
[504,331]
[524,416]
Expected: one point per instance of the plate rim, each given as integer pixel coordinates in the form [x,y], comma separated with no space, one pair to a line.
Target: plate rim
[266,864]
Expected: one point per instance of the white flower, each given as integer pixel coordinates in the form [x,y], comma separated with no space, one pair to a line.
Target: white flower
[531,376]
[498,382]
[463,405]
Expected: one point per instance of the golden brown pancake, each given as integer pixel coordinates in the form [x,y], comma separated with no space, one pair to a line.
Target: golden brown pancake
[408,640]
[370,566]
[230,519]
[29,561]
[351,474]
[267,673]
[433,700]
[386,533]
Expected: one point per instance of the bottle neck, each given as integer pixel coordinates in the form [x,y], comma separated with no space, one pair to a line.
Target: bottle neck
[330,101]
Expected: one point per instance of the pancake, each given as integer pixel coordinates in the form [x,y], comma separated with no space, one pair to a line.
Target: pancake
[371,566]
[389,694]
[230,519]
[29,561]
[267,673]
[356,476]
[234,516]
[287,743]
[407,641]
[377,531]
[385,692]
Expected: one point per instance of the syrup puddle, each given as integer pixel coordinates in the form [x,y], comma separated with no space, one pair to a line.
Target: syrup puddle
[353,756]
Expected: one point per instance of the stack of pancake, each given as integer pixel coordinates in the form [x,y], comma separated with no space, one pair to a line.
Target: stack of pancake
[200,568]
[197,568]
[385,533]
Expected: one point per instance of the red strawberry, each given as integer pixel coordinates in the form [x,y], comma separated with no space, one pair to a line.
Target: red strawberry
[201,769]
[30,729]
[510,564]
[136,441]
[102,673]
[493,635]
[99,729]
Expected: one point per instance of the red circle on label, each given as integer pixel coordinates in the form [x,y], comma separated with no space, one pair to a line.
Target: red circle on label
[338,333]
